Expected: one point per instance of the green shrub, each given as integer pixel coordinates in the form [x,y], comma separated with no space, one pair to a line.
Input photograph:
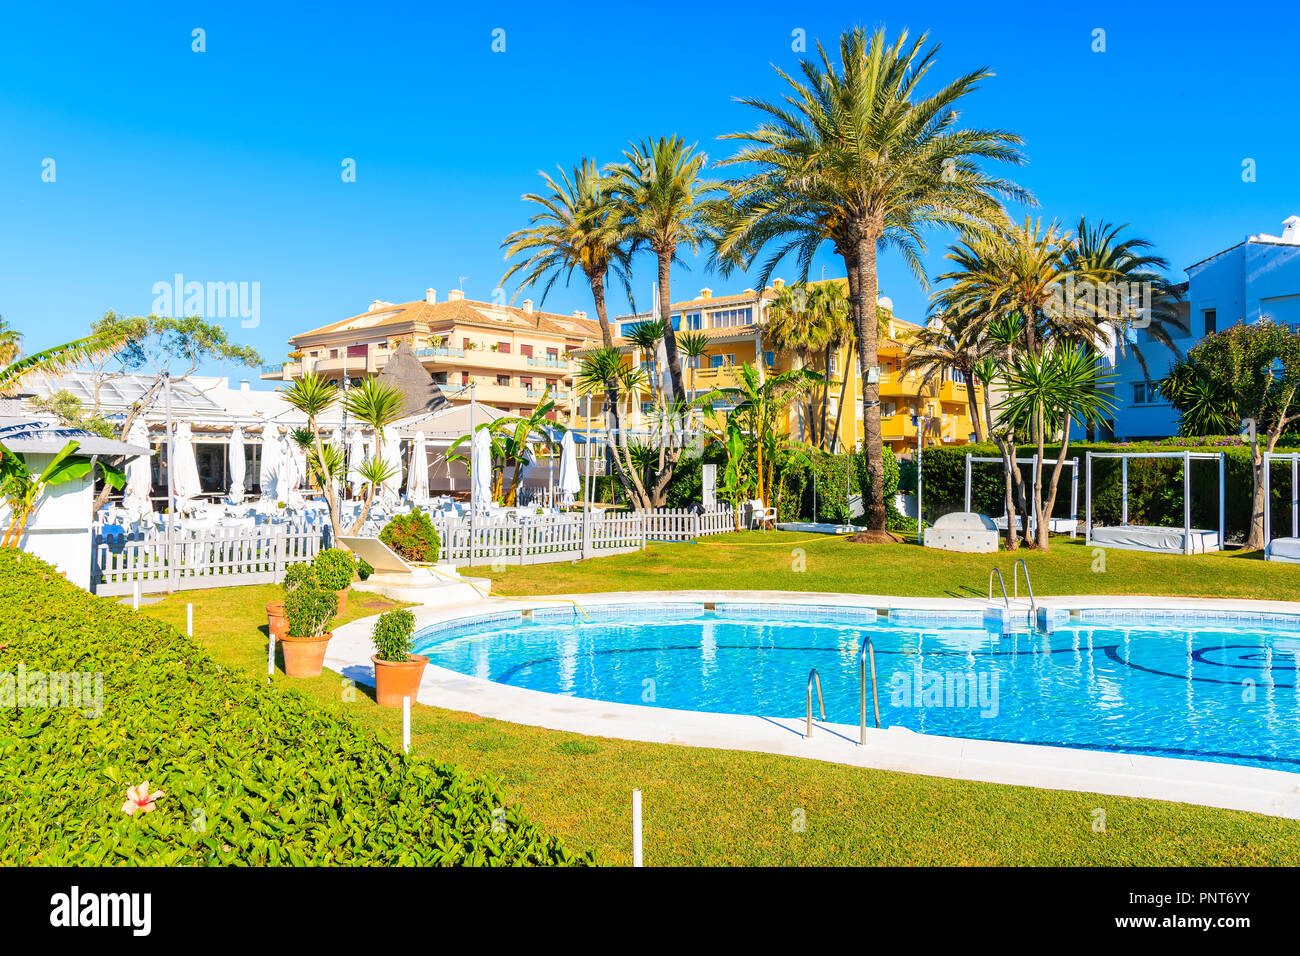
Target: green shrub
[253,775]
[364,570]
[413,537]
[335,568]
[299,575]
[309,611]
[392,635]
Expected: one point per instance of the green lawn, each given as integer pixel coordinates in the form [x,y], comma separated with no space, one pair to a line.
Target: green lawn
[725,807]
[791,561]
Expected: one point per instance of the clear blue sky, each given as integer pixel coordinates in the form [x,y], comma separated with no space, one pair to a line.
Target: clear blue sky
[225,165]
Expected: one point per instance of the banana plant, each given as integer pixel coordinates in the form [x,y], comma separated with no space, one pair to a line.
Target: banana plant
[22,488]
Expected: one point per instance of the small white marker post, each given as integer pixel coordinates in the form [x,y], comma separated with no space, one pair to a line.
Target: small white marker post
[189,620]
[636,827]
[406,725]
[270,655]
[135,597]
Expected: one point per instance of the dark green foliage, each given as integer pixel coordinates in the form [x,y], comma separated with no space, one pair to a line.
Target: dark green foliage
[253,775]
[335,568]
[413,537]
[310,610]
[299,575]
[364,570]
[805,475]
[391,635]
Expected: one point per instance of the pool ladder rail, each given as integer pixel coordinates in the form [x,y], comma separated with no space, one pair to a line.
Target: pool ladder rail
[814,678]
[866,663]
[1032,613]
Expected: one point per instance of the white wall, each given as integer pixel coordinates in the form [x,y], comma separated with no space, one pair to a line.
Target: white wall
[59,531]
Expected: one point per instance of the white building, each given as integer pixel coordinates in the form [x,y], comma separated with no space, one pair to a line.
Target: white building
[1257,277]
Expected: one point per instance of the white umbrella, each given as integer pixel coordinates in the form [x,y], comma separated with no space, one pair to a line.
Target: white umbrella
[357,457]
[570,482]
[481,484]
[235,457]
[185,480]
[286,477]
[139,477]
[417,474]
[393,459]
[269,474]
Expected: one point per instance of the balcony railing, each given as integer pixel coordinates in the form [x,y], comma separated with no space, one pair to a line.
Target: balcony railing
[273,369]
[455,353]
[547,361]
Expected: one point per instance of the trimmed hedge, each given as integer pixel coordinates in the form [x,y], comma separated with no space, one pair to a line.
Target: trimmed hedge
[1155,486]
[252,774]
[413,537]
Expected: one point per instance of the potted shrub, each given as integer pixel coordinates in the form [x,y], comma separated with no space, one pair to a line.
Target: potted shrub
[334,570]
[397,670]
[310,610]
[413,537]
[295,576]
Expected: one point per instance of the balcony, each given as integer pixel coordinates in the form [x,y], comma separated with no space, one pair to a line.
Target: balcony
[547,361]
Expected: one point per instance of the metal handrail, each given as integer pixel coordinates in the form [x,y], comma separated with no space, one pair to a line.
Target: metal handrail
[868,653]
[1002,581]
[1015,584]
[813,676]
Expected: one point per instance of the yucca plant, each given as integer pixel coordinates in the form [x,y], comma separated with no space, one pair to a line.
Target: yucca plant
[375,404]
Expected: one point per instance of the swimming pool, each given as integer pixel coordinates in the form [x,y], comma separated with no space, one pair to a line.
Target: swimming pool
[1214,686]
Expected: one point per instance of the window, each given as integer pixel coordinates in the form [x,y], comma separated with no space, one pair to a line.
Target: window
[553,354]
[440,378]
[694,321]
[676,320]
[1211,320]
[715,361]
[552,383]
[525,383]
[464,378]
[1145,393]
[730,318]
[334,353]
[503,348]
[731,358]
[769,359]
[835,365]
[887,409]
[526,351]
[464,343]
[503,380]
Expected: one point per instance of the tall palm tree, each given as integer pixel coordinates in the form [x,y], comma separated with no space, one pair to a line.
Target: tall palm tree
[577,227]
[856,156]
[11,343]
[661,198]
[795,326]
[947,345]
[694,345]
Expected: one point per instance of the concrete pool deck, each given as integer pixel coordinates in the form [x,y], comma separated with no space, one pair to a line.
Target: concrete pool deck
[1229,786]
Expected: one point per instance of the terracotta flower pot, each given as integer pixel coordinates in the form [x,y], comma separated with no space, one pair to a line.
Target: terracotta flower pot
[397,679]
[304,656]
[343,599]
[276,621]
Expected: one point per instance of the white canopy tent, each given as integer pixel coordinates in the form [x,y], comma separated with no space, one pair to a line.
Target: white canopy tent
[1147,538]
[1284,549]
[1057,524]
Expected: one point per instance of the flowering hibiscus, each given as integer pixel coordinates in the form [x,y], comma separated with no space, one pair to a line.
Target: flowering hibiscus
[139,798]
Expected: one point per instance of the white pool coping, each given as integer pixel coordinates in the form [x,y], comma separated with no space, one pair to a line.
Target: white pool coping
[1228,786]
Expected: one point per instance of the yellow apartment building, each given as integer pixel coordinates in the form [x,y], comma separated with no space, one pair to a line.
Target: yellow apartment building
[510,354]
[734,325]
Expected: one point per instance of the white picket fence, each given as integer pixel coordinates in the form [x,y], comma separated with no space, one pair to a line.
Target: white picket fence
[538,539]
[215,558]
[683,524]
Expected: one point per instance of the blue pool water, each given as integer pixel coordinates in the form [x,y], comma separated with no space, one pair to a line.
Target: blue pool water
[1203,686]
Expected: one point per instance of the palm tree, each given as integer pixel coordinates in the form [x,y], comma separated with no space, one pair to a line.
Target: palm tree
[659,194]
[855,156]
[578,227]
[314,396]
[11,343]
[602,370]
[376,405]
[60,358]
[518,432]
[646,336]
[693,345]
[795,327]
[946,346]
[831,305]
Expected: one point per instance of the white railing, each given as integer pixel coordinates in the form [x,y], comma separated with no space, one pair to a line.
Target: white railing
[538,539]
[685,524]
[201,559]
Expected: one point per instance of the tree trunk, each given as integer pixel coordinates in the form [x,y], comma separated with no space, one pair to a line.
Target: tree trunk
[665,316]
[971,397]
[597,281]
[839,409]
[826,395]
[864,317]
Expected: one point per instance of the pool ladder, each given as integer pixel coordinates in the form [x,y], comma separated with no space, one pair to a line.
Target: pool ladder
[866,664]
[1032,613]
